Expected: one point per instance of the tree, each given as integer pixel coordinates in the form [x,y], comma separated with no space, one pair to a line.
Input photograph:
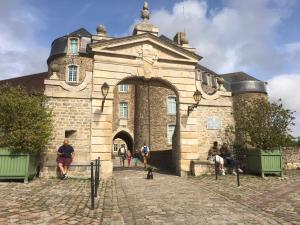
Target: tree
[262,124]
[25,124]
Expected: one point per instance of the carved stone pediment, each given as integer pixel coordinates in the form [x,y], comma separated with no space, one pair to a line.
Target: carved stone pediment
[131,47]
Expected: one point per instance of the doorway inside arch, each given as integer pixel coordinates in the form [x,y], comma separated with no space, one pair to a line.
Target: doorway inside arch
[149,109]
[121,138]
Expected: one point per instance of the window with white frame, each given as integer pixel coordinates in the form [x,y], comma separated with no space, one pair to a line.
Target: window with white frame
[72,73]
[171,105]
[123,88]
[74,45]
[124,110]
[115,147]
[170,133]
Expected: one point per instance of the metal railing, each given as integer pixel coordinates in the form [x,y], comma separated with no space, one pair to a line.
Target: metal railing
[95,180]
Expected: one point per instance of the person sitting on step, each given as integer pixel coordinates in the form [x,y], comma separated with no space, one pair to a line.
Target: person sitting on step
[227,156]
[214,157]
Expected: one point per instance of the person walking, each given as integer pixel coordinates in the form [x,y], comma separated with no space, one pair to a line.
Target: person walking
[136,157]
[65,155]
[122,153]
[146,154]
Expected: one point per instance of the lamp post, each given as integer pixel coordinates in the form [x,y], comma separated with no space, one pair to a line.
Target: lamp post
[197,97]
[104,90]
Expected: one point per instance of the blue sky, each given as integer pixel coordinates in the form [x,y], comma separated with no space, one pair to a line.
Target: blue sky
[260,37]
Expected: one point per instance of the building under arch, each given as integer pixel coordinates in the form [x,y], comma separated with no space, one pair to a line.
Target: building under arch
[151,80]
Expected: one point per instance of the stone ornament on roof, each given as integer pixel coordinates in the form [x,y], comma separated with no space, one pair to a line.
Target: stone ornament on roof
[145,14]
[101,30]
[145,26]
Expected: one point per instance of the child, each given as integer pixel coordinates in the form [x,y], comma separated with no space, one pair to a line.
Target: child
[129,157]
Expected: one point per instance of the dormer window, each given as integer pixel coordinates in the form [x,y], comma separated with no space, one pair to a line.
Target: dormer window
[74,45]
[72,73]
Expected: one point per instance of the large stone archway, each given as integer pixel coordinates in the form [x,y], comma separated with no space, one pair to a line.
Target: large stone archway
[143,58]
[151,118]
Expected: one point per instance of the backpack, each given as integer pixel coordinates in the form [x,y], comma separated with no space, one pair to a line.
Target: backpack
[145,150]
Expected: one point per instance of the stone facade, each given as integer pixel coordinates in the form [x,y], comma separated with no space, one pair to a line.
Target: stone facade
[84,64]
[291,157]
[223,112]
[129,98]
[152,117]
[72,120]
[154,67]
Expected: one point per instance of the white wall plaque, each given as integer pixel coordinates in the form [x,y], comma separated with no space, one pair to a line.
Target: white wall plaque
[213,123]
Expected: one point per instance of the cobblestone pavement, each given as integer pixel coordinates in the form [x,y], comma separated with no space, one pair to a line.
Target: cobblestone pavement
[129,198]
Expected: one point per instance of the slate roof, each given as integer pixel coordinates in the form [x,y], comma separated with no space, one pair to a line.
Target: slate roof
[33,82]
[206,70]
[237,77]
[81,32]
[165,38]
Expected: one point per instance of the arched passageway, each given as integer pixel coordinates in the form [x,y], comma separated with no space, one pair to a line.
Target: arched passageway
[149,109]
[126,138]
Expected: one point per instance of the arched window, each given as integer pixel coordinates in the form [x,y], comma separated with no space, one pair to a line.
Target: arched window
[123,110]
[72,73]
[74,46]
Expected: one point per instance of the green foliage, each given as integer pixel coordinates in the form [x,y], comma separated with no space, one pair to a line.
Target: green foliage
[25,124]
[262,124]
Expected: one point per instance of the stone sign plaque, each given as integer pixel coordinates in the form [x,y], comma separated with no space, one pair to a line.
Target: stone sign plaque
[213,123]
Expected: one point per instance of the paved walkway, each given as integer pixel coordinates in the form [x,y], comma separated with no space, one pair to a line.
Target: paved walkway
[129,198]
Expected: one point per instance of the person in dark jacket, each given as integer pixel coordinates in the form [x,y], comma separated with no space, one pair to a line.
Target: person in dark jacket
[227,156]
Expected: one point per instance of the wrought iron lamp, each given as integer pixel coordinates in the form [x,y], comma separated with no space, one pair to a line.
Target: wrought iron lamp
[104,90]
[197,97]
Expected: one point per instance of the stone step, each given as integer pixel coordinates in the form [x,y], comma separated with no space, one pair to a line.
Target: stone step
[202,167]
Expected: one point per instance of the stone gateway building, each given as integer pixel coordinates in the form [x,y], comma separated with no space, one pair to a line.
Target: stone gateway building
[144,88]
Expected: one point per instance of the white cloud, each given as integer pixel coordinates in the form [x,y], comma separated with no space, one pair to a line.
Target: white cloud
[286,87]
[20,22]
[240,36]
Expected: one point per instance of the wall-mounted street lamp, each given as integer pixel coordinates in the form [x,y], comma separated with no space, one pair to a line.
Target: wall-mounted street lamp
[197,97]
[104,90]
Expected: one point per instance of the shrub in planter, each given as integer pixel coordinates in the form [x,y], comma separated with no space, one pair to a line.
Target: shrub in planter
[261,128]
[25,128]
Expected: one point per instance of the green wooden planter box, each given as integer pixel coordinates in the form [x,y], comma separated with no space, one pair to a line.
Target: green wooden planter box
[263,162]
[17,165]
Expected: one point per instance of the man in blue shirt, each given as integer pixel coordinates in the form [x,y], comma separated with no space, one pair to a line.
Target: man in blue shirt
[65,156]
